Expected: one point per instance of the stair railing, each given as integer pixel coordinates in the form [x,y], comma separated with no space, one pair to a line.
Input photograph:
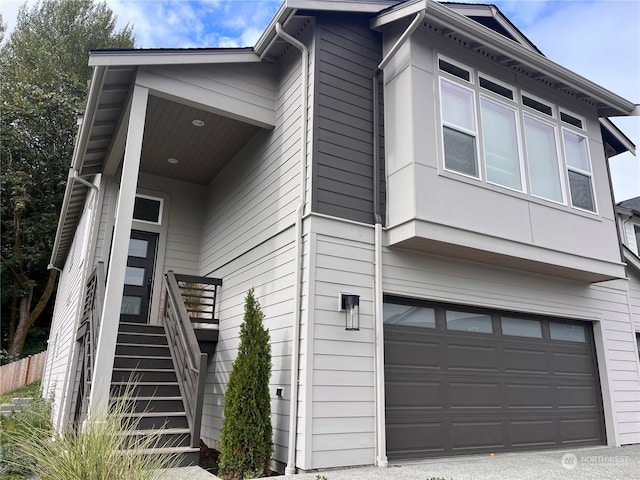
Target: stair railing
[87,335]
[181,308]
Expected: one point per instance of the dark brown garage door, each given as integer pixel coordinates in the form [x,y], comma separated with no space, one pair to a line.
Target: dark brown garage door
[461,380]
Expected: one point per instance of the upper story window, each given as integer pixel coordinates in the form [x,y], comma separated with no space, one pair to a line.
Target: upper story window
[495,134]
[636,231]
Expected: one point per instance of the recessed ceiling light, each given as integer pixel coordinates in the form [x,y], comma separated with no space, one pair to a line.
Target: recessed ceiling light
[197,123]
[172,160]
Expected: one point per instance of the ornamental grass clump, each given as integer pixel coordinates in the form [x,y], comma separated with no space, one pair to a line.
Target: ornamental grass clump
[106,448]
[246,439]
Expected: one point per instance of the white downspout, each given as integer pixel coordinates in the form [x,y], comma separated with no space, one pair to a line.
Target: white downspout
[381,440]
[290,469]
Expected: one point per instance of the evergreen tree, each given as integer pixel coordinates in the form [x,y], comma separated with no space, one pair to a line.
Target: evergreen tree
[246,440]
[43,85]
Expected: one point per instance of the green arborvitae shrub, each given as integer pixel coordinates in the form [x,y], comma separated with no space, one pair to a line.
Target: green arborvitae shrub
[246,439]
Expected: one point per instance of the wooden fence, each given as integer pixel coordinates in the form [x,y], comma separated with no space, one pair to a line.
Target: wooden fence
[22,372]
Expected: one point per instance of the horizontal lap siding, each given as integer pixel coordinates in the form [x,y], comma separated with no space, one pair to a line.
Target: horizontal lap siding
[348,53]
[434,278]
[248,240]
[67,310]
[343,413]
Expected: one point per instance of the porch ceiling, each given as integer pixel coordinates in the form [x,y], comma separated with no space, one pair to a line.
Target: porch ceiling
[200,151]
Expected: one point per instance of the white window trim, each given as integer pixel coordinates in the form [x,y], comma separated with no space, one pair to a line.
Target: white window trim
[160,210]
[570,126]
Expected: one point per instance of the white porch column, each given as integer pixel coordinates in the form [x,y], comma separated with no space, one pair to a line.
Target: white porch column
[106,348]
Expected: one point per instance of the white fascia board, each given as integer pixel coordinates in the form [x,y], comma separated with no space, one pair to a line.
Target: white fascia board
[171,57]
[397,13]
[631,258]
[617,133]
[283,14]
[484,36]
[355,6]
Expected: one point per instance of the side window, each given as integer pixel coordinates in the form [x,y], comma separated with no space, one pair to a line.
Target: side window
[459,128]
[636,229]
[576,149]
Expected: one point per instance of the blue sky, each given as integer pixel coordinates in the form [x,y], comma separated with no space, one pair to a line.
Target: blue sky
[598,39]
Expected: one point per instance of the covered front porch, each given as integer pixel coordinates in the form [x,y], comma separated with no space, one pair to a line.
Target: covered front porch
[153,138]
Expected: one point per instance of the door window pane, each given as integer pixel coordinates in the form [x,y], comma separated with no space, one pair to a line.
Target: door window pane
[500,137]
[468,322]
[542,155]
[134,276]
[130,305]
[138,248]
[567,332]
[460,152]
[409,316]
[520,327]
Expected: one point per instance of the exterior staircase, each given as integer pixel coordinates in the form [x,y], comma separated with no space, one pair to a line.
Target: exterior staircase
[144,371]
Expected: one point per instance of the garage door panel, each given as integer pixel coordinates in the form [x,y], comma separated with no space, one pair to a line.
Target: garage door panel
[467,436]
[480,395]
[583,431]
[411,441]
[405,352]
[576,396]
[423,394]
[532,433]
[471,357]
[527,395]
[522,361]
[577,363]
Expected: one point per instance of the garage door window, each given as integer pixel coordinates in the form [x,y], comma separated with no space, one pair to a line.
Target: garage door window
[520,327]
[566,332]
[468,322]
[409,316]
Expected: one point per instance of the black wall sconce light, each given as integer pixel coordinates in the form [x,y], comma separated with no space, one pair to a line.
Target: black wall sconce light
[350,304]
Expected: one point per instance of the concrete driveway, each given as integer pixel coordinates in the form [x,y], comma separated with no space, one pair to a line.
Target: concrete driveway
[593,463]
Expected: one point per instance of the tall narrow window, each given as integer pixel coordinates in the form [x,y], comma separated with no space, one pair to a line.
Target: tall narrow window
[459,128]
[500,139]
[636,230]
[579,164]
[542,156]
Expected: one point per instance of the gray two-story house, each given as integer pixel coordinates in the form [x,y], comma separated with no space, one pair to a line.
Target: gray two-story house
[420,199]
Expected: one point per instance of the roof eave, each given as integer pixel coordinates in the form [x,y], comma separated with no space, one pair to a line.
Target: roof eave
[610,104]
[111,58]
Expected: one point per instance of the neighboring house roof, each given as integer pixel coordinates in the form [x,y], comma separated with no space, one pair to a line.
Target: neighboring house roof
[102,135]
[632,204]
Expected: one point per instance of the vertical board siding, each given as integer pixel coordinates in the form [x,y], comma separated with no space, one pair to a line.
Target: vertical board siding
[248,240]
[22,372]
[348,53]
[67,309]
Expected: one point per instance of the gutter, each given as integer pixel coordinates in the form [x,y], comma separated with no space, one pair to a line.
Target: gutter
[77,160]
[290,469]
[381,441]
